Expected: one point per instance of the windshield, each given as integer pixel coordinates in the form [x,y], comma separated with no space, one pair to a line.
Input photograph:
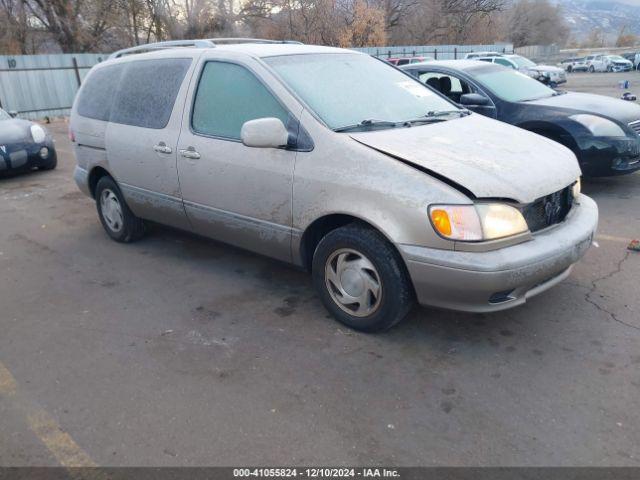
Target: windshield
[512,86]
[348,89]
[617,58]
[4,115]
[521,61]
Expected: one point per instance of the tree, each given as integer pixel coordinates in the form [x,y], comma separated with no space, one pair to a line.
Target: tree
[626,39]
[364,26]
[536,22]
[76,25]
[14,35]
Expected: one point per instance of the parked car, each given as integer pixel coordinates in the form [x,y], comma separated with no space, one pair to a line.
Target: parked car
[616,63]
[603,132]
[336,162]
[407,60]
[471,55]
[575,65]
[634,58]
[547,74]
[608,63]
[24,146]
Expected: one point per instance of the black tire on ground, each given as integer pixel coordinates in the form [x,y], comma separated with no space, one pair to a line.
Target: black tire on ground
[53,163]
[131,228]
[592,69]
[396,297]
[569,69]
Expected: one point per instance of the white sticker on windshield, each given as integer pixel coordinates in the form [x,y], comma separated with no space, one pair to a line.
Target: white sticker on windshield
[415,88]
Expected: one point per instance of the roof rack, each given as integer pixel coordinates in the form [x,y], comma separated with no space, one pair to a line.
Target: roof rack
[198,43]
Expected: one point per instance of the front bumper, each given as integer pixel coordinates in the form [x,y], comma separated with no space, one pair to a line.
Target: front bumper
[605,157]
[504,278]
[19,157]
[621,68]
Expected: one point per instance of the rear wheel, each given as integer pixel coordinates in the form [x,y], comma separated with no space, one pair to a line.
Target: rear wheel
[361,279]
[116,217]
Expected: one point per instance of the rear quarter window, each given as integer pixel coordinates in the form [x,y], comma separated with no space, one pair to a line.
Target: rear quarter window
[139,93]
[96,96]
[148,91]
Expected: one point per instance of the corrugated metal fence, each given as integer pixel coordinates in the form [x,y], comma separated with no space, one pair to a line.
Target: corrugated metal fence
[37,86]
[439,52]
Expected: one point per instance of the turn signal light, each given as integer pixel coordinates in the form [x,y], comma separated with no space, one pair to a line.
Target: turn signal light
[441,222]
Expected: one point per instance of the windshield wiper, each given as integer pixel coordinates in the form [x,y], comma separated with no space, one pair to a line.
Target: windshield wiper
[436,116]
[366,123]
[444,113]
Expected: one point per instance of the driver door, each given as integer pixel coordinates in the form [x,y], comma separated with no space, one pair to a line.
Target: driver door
[234,193]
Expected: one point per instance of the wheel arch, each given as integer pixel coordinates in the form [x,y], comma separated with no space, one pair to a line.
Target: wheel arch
[321,226]
[553,132]
[95,175]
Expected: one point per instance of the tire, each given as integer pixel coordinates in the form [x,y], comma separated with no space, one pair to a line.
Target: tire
[116,217]
[373,261]
[569,69]
[592,69]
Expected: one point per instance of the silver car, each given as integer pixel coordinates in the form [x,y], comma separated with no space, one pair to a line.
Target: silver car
[336,162]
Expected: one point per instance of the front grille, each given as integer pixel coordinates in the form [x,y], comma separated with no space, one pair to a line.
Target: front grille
[549,210]
[635,126]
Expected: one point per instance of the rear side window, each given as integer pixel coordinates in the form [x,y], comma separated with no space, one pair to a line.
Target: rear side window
[96,96]
[147,92]
[229,95]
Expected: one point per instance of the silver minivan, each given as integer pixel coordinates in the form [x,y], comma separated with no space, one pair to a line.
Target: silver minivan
[336,162]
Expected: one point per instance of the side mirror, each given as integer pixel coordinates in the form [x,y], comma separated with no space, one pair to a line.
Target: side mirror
[474,100]
[12,113]
[264,133]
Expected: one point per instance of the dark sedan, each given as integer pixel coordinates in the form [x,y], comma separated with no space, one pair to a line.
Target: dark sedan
[24,145]
[603,132]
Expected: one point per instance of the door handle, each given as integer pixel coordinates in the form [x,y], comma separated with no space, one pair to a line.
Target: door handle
[162,148]
[190,153]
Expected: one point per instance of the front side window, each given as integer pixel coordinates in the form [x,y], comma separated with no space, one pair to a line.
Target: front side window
[229,95]
[346,89]
[4,115]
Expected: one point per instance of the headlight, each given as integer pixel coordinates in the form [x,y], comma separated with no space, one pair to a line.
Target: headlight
[598,126]
[483,221]
[577,188]
[38,134]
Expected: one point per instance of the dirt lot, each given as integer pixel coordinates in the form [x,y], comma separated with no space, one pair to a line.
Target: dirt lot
[181,351]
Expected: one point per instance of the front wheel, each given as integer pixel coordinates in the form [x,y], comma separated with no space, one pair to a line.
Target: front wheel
[361,279]
[116,217]
[592,69]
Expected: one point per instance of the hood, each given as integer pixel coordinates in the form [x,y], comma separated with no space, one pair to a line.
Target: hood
[15,131]
[620,110]
[491,159]
[546,68]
